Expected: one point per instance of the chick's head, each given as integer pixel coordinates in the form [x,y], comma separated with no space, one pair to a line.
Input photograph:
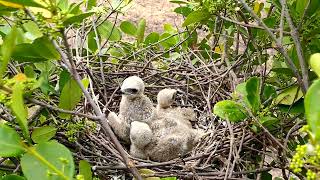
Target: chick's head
[166,98]
[133,86]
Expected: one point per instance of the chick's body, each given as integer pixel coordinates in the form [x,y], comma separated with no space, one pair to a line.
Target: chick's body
[136,109]
[134,106]
[173,135]
[140,135]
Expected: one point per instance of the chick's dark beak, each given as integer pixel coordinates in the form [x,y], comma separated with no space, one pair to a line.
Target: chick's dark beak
[129,91]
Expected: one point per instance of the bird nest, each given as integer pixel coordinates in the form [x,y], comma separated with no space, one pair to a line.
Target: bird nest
[226,151]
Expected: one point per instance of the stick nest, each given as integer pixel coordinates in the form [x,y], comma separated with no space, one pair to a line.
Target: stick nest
[227,150]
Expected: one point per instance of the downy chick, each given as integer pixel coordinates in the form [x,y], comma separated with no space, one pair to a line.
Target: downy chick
[134,106]
[165,99]
[173,134]
[140,136]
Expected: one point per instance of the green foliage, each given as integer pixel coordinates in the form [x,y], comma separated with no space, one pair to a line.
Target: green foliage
[77,18]
[42,134]
[19,109]
[10,142]
[230,110]
[16,3]
[152,38]
[7,49]
[91,4]
[128,28]
[13,177]
[85,170]
[289,96]
[196,16]
[169,178]
[74,130]
[312,109]
[229,36]
[70,96]
[48,160]
[252,95]
[141,30]
[41,49]
[108,30]
[315,63]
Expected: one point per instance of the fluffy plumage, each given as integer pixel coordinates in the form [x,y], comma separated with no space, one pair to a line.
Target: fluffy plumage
[134,106]
[173,135]
[140,136]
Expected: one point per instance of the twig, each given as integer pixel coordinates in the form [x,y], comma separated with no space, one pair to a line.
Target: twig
[105,126]
[278,44]
[295,37]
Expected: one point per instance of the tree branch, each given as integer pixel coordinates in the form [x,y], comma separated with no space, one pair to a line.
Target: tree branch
[295,36]
[278,44]
[101,117]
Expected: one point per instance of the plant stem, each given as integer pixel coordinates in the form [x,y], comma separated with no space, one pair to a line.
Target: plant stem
[32,151]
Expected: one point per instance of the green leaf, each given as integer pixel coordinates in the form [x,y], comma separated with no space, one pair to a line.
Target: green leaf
[285,71]
[253,93]
[185,11]
[313,7]
[108,30]
[315,63]
[116,52]
[146,172]
[312,108]
[269,122]
[179,2]
[250,92]
[70,96]
[29,71]
[45,48]
[196,16]
[91,4]
[13,177]
[241,89]
[85,170]
[45,85]
[74,8]
[269,92]
[40,50]
[27,53]
[128,28]
[63,5]
[300,6]
[169,29]
[169,178]
[6,49]
[295,109]
[77,18]
[47,161]
[64,77]
[10,142]
[43,134]
[32,30]
[229,110]
[19,109]
[289,95]
[169,42]
[140,30]
[152,38]
[266,176]
[91,40]
[20,2]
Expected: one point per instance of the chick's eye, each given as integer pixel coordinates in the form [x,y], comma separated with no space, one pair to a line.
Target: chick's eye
[132,90]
